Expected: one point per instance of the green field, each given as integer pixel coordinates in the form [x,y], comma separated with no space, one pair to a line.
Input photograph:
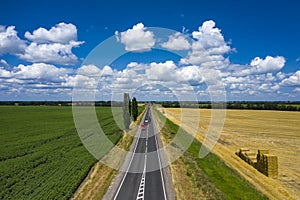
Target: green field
[41,154]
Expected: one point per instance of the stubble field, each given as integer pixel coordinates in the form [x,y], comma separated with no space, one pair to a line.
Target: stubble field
[277,131]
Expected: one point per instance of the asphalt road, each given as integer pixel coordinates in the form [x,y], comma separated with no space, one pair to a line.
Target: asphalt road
[146,183]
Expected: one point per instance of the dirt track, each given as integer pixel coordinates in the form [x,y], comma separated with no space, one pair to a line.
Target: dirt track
[277,131]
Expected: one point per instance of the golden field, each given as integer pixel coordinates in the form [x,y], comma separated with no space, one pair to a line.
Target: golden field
[277,131]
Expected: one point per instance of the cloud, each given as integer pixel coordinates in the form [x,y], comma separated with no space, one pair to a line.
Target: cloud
[280,75]
[231,79]
[252,84]
[35,81]
[164,73]
[190,74]
[10,42]
[92,70]
[293,80]
[137,66]
[136,39]
[276,87]
[297,89]
[46,79]
[206,60]
[269,64]
[4,73]
[52,46]
[4,64]
[60,33]
[80,81]
[177,42]
[161,71]
[209,47]
[89,70]
[40,71]
[91,77]
[261,66]
[53,53]
[107,71]
[209,37]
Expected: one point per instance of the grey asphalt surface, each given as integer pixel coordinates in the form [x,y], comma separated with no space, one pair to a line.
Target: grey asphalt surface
[154,188]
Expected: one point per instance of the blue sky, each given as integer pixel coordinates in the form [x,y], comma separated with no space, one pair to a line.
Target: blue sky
[258,43]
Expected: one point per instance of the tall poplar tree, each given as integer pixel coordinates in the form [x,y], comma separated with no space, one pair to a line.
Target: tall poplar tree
[126,115]
[134,109]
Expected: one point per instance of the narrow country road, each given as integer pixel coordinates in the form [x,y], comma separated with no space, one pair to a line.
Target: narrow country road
[146,183]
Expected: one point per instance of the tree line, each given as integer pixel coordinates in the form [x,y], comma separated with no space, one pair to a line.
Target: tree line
[259,105]
[62,103]
[130,110]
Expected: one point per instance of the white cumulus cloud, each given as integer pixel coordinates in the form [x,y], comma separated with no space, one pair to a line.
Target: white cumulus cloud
[161,71]
[269,64]
[92,70]
[60,33]
[136,39]
[263,66]
[4,73]
[9,41]
[53,46]
[54,53]
[293,80]
[210,37]
[191,74]
[209,47]
[80,81]
[39,71]
[177,41]
[280,75]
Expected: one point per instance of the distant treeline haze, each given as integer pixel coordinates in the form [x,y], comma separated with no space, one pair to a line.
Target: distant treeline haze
[284,106]
[252,105]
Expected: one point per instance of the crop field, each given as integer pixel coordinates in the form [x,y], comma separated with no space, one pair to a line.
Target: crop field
[208,178]
[41,154]
[277,131]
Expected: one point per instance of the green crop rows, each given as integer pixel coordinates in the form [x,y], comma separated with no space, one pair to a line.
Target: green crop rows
[41,154]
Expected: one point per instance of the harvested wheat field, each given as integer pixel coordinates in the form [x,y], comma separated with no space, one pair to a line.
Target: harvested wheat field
[277,131]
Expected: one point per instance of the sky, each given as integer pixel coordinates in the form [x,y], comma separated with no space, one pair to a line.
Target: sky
[154,50]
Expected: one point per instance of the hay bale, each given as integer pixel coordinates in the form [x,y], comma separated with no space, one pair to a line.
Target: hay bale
[270,167]
[244,149]
[261,153]
[263,161]
[250,153]
[264,151]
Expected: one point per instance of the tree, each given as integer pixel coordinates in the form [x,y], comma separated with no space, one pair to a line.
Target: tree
[126,115]
[134,109]
[130,107]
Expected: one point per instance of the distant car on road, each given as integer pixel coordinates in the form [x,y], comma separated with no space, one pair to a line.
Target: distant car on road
[143,126]
[146,120]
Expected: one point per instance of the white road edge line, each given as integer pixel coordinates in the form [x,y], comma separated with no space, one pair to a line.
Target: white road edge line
[129,163]
[158,154]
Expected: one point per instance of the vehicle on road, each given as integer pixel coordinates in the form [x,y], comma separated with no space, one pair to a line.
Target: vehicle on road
[143,126]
